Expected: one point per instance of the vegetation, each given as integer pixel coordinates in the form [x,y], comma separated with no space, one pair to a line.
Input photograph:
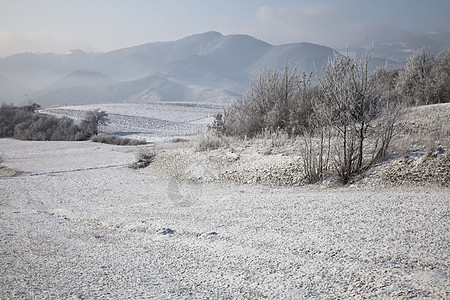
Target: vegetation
[116,140]
[424,80]
[24,123]
[93,119]
[143,158]
[347,120]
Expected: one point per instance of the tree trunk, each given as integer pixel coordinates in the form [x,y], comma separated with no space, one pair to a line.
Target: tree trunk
[361,147]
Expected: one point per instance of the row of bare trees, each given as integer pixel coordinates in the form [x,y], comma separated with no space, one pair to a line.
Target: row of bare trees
[346,119]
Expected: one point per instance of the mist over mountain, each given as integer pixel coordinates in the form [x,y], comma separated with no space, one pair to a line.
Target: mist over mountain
[207,67]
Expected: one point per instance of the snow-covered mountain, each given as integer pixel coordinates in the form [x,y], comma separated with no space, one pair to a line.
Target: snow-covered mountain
[208,67]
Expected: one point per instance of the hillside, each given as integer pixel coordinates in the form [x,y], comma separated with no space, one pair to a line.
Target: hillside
[419,153]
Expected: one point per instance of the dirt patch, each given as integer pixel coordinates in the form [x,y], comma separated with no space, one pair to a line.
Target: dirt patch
[433,167]
[5,171]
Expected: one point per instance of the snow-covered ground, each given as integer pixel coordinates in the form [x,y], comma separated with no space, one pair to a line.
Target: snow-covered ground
[80,224]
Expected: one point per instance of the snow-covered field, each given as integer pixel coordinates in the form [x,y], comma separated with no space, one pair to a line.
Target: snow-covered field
[154,122]
[80,224]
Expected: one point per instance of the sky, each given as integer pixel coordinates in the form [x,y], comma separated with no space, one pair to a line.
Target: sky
[103,25]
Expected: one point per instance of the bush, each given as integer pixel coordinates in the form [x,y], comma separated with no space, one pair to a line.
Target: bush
[116,140]
[48,128]
[143,158]
[424,79]
[24,123]
[10,116]
[273,100]
[346,120]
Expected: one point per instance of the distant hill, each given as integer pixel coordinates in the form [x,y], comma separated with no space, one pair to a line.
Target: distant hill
[207,67]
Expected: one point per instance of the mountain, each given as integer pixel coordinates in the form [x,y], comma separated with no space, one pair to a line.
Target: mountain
[207,67]
[399,45]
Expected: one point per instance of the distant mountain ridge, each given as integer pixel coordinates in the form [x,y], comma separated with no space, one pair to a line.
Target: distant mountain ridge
[207,67]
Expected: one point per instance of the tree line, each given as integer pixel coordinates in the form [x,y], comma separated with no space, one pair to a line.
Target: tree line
[347,119]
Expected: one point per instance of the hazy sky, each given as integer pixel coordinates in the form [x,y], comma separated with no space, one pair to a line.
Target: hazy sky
[103,25]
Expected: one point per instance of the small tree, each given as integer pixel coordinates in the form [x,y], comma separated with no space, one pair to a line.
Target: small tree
[414,81]
[351,105]
[440,78]
[93,119]
[266,106]
[218,125]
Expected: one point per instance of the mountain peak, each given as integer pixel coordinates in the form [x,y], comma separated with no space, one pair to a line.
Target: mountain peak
[208,34]
[202,37]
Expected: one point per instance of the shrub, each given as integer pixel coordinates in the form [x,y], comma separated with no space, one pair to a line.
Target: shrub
[218,125]
[424,79]
[269,105]
[25,124]
[143,158]
[346,120]
[116,140]
[47,128]
[10,116]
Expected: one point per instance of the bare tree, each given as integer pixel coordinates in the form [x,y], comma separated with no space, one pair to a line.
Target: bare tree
[92,120]
[351,103]
[440,78]
[266,106]
[414,81]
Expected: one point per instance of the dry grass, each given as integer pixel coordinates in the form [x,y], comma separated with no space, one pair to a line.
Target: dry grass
[274,138]
[144,158]
[209,141]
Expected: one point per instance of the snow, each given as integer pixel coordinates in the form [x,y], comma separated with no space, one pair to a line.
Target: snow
[80,224]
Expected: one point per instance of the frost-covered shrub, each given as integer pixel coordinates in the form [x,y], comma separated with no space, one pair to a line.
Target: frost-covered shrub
[424,79]
[275,101]
[47,128]
[24,123]
[143,158]
[10,116]
[346,120]
[116,140]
